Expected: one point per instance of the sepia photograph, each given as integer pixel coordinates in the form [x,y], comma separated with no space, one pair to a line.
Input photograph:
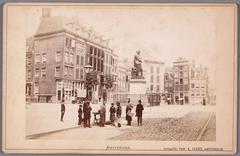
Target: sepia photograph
[121,78]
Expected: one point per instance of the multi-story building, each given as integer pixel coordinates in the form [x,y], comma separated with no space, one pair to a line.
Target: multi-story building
[62,48]
[122,83]
[190,82]
[29,68]
[199,85]
[168,83]
[154,74]
[181,69]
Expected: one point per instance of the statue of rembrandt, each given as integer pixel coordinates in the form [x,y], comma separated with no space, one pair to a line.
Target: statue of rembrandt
[137,71]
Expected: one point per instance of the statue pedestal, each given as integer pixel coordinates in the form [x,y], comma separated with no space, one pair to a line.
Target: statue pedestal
[137,91]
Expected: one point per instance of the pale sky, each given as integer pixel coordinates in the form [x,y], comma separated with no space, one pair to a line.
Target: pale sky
[162,34]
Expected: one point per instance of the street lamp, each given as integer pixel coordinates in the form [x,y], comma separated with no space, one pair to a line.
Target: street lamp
[88,69]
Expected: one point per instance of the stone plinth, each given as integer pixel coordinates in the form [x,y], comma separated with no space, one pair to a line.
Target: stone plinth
[137,91]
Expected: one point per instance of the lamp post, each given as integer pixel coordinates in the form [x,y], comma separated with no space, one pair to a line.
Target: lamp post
[87,69]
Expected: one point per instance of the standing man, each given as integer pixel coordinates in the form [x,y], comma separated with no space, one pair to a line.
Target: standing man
[128,113]
[119,113]
[112,113]
[87,115]
[102,114]
[80,115]
[139,110]
[62,110]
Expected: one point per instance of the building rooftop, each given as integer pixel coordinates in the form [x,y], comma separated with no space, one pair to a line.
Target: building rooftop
[54,24]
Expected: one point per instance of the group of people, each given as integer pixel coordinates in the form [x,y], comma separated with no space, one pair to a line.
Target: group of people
[84,113]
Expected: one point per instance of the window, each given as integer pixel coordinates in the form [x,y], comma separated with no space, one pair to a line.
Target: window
[58,56]
[37,58]
[99,53]
[37,72]
[57,71]
[91,50]
[185,74]
[158,87]
[43,72]
[151,87]
[202,87]
[192,85]
[29,60]
[82,61]
[73,43]
[81,73]
[77,73]
[29,74]
[95,51]
[158,80]
[65,70]
[158,71]
[181,74]
[181,81]
[71,58]
[203,94]
[36,88]
[180,67]
[192,94]
[44,57]
[66,57]
[78,59]
[151,69]
[70,71]
[152,78]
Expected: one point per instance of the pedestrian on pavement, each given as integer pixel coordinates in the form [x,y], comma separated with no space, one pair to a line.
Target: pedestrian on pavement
[62,110]
[119,114]
[204,102]
[129,113]
[80,111]
[102,111]
[112,113]
[139,110]
[87,115]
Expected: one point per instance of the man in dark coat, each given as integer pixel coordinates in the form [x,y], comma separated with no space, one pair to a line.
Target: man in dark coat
[87,115]
[80,115]
[119,110]
[112,113]
[139,110]
[129,113]
[62,110]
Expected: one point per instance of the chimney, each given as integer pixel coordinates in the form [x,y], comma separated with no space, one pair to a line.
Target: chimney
[46,12]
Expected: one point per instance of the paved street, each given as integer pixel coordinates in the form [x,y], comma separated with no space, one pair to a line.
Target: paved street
[166,122]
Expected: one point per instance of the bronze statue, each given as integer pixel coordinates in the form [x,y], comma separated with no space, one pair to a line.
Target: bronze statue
[137,72]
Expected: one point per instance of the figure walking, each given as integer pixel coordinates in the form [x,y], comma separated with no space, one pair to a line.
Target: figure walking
[62,110]
[139,110]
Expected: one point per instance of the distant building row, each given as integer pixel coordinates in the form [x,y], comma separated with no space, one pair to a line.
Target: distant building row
[185,83]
